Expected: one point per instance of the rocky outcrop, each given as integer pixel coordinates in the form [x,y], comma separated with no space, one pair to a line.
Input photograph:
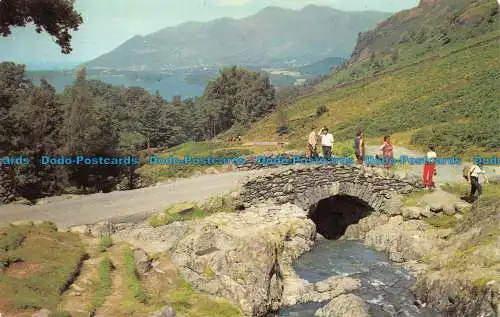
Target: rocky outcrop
[142,261]
[298,291]
[344,306]
[456,268]
[456,297]
[42,313]
[245,257]
[402,240]
[166,311]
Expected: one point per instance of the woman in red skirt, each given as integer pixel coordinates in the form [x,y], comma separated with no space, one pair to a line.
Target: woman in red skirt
[429,168]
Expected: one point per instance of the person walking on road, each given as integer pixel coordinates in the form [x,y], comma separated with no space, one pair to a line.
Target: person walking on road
[429,168]
[473,178]
[387,153]
[311,143]
[359,147]
[326,143]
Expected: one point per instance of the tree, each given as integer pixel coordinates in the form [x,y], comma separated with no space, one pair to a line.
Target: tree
[79,116]
[56,17]
[281,121]
[38,118]
[237,95]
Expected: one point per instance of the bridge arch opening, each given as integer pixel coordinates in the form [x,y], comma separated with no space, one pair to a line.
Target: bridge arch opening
[334,214]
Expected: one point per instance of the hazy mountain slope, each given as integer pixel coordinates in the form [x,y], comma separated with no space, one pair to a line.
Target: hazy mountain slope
[432,29]
[450,100]
[321,67]
[272,36]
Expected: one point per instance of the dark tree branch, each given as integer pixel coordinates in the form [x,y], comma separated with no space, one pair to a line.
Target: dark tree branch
[56,17]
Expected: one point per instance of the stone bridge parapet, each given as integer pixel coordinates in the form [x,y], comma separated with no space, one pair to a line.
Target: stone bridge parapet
[305,186]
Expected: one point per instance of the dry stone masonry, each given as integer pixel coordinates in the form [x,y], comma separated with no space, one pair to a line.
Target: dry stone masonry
[305,186]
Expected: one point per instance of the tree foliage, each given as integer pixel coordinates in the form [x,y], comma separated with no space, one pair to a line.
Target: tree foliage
[236,96]
[56,17]
[92,118]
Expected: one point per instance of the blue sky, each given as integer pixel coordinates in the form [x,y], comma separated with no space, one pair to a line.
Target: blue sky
[108,23]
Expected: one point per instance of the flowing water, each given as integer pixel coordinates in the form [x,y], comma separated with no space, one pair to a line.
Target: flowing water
[385,285]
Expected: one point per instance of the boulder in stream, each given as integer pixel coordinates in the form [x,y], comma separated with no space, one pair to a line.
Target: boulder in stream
[347,305]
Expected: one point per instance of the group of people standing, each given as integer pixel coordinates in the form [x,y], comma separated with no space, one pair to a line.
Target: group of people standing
[471,172]
[232,139]
[326,139]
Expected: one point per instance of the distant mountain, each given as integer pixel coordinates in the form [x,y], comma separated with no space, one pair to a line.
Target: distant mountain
[272,37]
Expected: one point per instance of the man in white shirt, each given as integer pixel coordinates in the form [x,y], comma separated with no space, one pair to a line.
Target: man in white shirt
[311,143]
[473,179]
[326,142]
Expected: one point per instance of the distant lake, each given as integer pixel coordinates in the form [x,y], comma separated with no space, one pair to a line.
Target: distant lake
[186,83]
[168,85]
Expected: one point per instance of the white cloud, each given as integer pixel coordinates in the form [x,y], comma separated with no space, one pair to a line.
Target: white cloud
[225,3]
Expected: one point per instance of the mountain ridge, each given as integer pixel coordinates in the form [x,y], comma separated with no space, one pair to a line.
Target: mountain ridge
[271,36]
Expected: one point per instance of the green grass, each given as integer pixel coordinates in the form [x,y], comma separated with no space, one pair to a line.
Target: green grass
[189,211]
[412,199]
[443,221]
[54,257]
[490,191]
[156,173]
[105,242]
[102,287]
[186,302]
[133,281]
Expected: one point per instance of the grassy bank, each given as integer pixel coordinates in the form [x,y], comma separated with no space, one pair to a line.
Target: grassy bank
[40,263]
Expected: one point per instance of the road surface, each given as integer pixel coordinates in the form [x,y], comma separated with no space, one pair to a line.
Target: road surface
[89,209]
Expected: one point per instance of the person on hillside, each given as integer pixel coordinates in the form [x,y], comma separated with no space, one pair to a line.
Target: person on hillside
[473,179]
[359,147]
[429,168]
[387,153]
[326,143]
[311,143]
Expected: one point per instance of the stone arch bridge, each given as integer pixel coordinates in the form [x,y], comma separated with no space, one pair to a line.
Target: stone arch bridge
[335,196]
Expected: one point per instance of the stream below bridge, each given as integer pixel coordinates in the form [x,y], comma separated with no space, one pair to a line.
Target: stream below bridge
[385,285]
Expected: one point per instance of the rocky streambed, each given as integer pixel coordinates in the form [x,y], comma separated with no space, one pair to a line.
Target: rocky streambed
[381,288]
[253,258]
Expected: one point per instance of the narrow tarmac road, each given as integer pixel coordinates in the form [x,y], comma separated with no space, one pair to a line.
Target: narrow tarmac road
[89,209]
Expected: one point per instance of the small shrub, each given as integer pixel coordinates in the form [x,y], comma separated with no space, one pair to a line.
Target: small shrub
[12,239]
[321,110]
[105,243]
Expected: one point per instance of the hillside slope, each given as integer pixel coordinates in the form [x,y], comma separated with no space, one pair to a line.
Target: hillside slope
[272,36]
[450,100]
